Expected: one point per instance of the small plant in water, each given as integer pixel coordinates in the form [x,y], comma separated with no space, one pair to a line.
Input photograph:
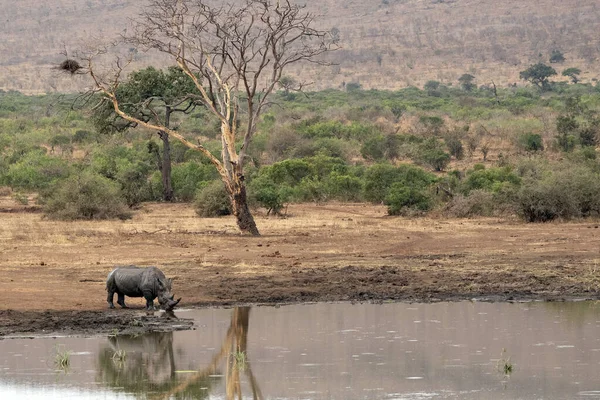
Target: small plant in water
[62,359]
[504,364]
[119,356]
[239,360]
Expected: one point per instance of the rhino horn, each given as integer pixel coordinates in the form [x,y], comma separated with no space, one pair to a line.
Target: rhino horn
[172,303]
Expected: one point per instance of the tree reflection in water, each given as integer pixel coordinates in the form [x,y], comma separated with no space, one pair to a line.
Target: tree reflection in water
[149,368]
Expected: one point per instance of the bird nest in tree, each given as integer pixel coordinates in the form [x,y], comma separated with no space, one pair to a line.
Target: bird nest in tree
[70,66]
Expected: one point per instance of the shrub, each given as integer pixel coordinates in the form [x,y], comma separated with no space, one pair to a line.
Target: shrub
[86,195]
[402,200]
[312,189]
[569,191]
[380,177]
[284,143]
[543,201]
[334,147]
[212,200]
[588,137]
[435,158]
[135,185]
[374,148]
[491,179]
[431,153]
[432,124]
[187,177]
[344,187]
[288,172]
[455,147]
[82,136]
[381,147]
[477,203]
[264,192]
[36,171]
[531,142]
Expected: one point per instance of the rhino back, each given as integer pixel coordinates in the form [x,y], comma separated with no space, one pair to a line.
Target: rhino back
[127,280]
[132,281]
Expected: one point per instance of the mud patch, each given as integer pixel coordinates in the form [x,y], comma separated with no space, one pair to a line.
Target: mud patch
[88,323]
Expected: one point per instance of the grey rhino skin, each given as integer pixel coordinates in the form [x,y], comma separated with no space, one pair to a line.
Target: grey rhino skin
[133,281]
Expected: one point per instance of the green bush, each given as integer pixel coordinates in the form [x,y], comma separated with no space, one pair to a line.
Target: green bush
[187,177]
[337,129]
[403,200]
[568,191]
[36,171]
[380,177]
[288,172]
[86,195]
[431,153]
[212,200]
[374,148]
[82,136]
[435,158]
[432,124]
[531,142]
[263,191]
[381,147]
[312,189]
[344,187]
[490,179]
[134,181]
[588,136]
[455,147]
[542,201]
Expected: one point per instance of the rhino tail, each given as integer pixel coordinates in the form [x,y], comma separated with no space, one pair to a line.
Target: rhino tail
[110,280]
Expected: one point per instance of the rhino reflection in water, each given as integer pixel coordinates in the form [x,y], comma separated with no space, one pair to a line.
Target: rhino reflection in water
[148,367]
[133,281]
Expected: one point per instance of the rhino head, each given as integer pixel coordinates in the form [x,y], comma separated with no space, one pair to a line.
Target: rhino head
[165,298]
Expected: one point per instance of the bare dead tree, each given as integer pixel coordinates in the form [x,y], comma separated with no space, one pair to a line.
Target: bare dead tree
[235,55]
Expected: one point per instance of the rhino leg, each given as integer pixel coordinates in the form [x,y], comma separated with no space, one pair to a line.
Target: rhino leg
[149,296]
[150,304]
[121,300]
[110,298]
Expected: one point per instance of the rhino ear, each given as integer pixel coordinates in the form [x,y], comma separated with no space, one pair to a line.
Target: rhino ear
[161,285]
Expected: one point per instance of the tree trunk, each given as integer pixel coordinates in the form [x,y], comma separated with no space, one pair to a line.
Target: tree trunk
[239,206]
[166,167]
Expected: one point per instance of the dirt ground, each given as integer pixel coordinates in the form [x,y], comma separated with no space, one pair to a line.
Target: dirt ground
[53,273]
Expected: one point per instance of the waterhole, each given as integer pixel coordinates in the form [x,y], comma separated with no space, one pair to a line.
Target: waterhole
[465,350]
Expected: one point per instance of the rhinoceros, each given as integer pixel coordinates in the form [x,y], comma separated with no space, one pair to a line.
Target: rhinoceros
[133,281]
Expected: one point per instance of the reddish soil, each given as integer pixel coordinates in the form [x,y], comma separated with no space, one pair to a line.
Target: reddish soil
[54,272]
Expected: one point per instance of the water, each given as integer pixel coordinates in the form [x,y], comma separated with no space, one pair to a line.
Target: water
[328,351]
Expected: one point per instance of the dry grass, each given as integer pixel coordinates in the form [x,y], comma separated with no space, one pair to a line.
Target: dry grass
[387,44]
[315,250]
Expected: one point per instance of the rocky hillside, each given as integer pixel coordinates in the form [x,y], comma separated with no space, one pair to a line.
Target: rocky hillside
[385,43]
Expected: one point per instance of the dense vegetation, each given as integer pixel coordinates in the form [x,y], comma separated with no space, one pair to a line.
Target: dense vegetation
[461,151]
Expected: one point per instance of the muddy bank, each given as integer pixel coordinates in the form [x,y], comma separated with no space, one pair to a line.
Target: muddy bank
[49,323]
[350,283]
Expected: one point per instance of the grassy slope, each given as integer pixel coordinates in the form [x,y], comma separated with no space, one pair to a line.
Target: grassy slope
[386,44]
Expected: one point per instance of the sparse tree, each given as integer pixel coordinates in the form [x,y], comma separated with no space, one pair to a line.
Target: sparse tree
[146,94]
[466,82]
[572,73]
[557,56]
[538,74]
[235,54]
[432,87]
[287,83]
